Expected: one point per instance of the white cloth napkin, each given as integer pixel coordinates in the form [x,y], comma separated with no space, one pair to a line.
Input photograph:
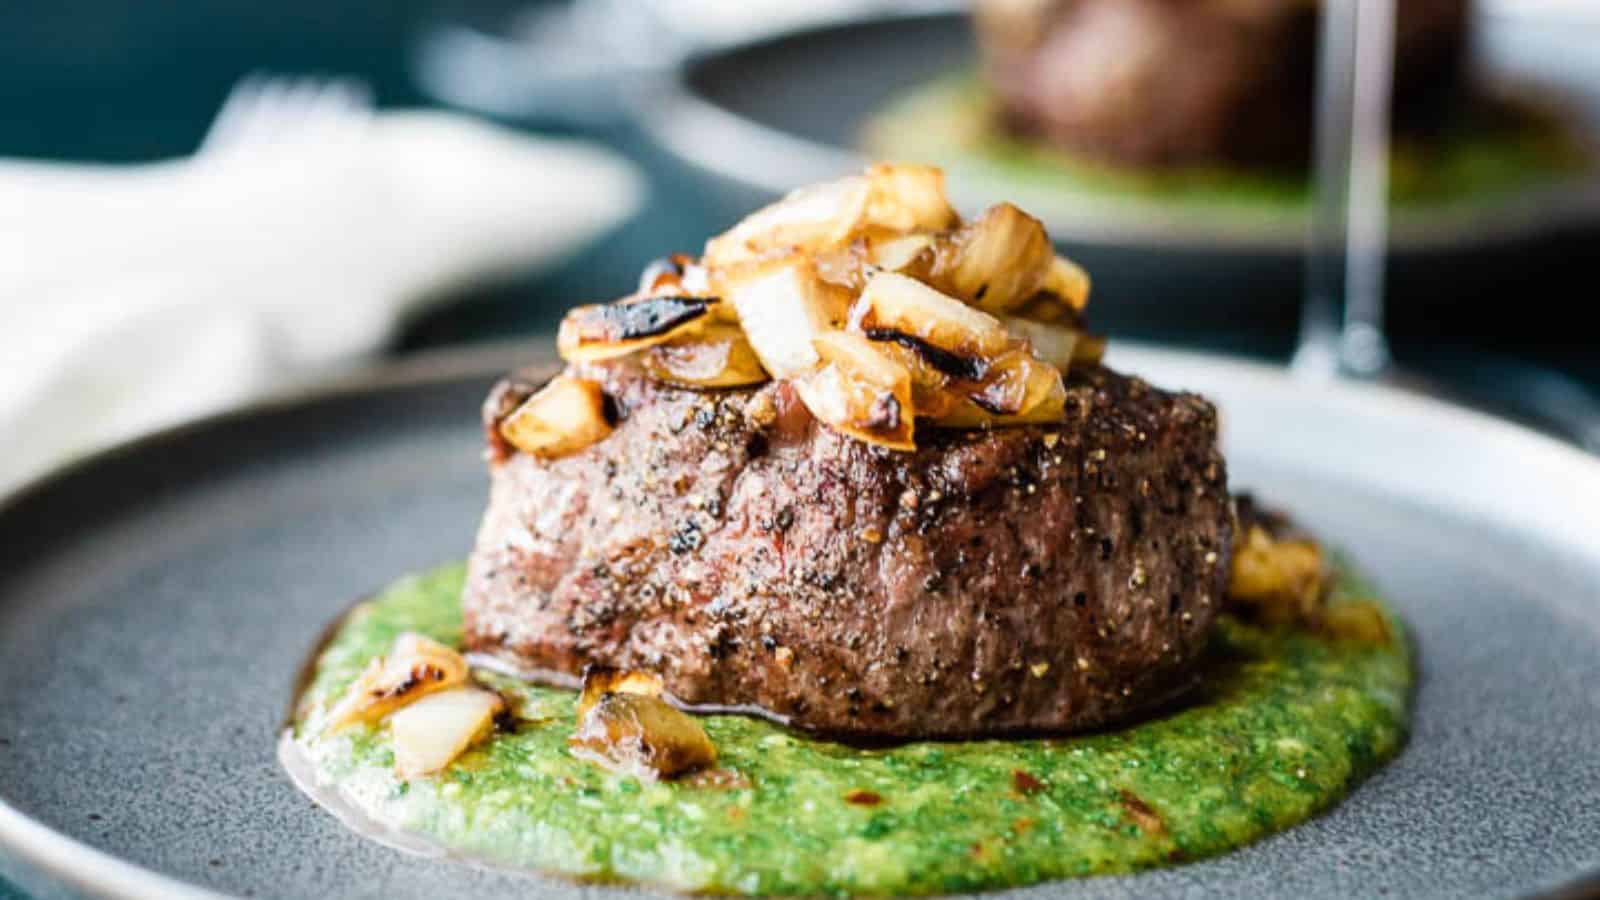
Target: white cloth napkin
[136,296]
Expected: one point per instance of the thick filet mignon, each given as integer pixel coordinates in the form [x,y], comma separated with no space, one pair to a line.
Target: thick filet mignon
[1186,82]
[1034,579]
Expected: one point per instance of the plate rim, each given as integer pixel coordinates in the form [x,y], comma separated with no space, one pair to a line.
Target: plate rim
[68,860]
[718,141]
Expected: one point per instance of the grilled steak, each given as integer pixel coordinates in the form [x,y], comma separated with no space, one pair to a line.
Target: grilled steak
[1162,82]
[991,582]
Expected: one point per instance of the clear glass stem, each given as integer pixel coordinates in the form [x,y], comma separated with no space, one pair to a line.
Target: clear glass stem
[1342,323]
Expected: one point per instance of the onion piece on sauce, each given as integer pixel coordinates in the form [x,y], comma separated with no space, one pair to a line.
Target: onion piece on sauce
[430,733]
[1278,581]
[625,726]
[415,667]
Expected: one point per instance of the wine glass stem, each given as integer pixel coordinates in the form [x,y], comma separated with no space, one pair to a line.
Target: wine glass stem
[1349,214]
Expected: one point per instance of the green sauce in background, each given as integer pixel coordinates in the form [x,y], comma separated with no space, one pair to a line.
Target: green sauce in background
[1285,724]
[1494,149]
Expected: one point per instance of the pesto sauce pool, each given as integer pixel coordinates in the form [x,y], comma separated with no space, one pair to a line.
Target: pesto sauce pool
[1285,724]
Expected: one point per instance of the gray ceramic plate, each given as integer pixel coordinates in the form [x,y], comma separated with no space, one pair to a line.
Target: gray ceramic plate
[156,601]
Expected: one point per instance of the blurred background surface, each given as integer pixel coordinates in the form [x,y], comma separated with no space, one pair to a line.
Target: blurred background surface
[1490,305]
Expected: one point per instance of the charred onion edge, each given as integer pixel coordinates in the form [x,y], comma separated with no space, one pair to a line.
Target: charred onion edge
[634,320]
[989,406]
[967,368]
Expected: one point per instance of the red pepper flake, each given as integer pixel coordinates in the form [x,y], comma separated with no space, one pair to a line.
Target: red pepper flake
[863,798]
[1025,783]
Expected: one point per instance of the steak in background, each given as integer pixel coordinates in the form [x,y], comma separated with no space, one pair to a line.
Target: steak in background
[1186,82]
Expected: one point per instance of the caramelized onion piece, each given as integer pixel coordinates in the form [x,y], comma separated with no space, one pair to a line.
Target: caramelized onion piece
[932,394]
[996,263]
[810,220]
[1068,281]
[1018,383]
[909,253]
[1020,390]
[923,337]
[782,308]
[415,667]
[430,733]
[565,416]
[717,356]
[601,680]
[1277,582]
[1058,345]
[860,391]
[845,267]
[1053,344]
[609,330]
[893,198]
[906,197]
[902,304]
[625,726]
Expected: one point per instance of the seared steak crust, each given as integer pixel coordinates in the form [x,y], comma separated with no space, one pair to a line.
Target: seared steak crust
[1037,579]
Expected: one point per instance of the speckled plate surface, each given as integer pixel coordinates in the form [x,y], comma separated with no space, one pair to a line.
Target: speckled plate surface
[156,601]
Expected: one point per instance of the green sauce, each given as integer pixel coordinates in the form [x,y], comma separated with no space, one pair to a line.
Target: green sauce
[1494,149]
[1285,724]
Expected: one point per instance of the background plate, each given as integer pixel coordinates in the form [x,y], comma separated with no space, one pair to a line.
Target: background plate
[785,111]
[157,600]
[771,115]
